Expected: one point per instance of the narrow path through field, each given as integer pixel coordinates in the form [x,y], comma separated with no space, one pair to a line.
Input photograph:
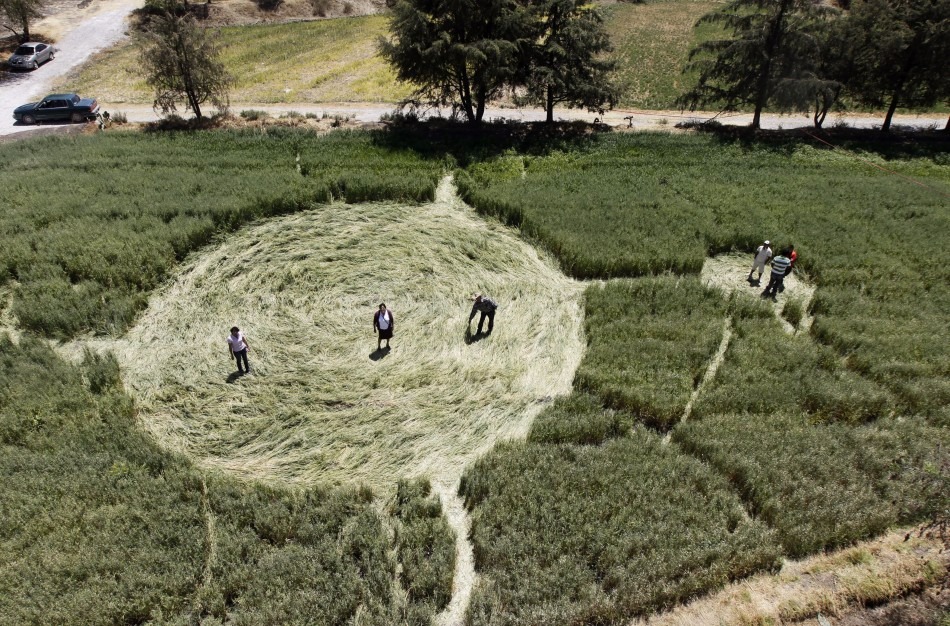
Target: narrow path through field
[714,364]
[464,579]
[211,550]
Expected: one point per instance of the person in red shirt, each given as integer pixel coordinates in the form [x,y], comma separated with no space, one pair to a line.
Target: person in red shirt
[792,256]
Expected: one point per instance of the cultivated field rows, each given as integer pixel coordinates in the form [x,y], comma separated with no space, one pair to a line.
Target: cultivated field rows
[604,507]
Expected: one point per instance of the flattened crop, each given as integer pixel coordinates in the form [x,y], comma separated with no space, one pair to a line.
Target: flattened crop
[322,405]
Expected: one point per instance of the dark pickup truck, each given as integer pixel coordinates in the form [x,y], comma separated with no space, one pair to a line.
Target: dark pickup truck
[57,107]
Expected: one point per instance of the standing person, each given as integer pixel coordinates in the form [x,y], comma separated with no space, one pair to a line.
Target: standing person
[792,257]
[383,323]
[762,255]
[780,265]
[487,307]
[237,349]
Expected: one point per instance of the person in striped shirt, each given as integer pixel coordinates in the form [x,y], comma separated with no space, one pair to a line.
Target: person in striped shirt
[780,265]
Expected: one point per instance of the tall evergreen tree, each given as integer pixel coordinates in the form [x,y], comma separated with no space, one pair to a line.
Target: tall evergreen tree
[772,47]
[567,63]
[460,53]
[181,63]
[899,53]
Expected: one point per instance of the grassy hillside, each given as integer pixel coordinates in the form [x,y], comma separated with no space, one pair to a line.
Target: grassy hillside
[320,61]
[336,60]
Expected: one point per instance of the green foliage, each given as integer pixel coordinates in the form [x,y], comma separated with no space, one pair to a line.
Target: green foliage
[649,343]
[567,534]
[771,49]
[459,52]
[147,201]
[567,62]
[426,546]
[180,62]
[896,53]
[767,371]
[100,526]
[579,419]
[819,486]
[633,204]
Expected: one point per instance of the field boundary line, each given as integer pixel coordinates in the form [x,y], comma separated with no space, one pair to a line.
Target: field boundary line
[464,577]
[211,553]
[880,167]
[711,370]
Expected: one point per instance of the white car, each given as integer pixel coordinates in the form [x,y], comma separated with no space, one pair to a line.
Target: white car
[31,55]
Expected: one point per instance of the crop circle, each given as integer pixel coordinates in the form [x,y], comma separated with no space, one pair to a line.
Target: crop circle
[321,404]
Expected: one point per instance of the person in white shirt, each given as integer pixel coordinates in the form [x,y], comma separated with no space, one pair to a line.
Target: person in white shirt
[383,323]
[762,255]
[237,349]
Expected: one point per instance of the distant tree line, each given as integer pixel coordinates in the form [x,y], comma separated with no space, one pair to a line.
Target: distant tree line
[465,53]
[803,55]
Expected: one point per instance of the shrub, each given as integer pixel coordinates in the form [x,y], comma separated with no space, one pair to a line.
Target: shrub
[252,115]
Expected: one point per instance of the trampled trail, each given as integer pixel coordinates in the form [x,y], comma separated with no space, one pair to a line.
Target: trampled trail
[464,579]
[729,272]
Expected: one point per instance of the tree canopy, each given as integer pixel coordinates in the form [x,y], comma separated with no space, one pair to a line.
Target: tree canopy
[181,63]
[899,53]
[464,53]
[567,63]
[18,14]
[770,55]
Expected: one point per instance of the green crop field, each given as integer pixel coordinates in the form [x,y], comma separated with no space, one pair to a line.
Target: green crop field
[686,435]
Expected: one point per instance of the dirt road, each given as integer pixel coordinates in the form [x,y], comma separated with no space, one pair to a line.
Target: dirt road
[79,33]
[82,31]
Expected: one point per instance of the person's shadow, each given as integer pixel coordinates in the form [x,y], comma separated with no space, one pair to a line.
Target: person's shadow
[470,338]
[233,376]
[379,353]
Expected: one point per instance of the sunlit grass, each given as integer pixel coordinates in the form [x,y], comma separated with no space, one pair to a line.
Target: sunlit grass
[320,61]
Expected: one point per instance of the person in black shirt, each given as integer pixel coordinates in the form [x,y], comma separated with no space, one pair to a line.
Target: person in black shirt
[486,306]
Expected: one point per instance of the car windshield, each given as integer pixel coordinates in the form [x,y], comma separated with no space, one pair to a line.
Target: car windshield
[24,51]
[74,98]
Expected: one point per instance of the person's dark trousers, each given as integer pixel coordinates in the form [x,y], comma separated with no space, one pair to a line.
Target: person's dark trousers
[242,356]
[776,282]
[491,321]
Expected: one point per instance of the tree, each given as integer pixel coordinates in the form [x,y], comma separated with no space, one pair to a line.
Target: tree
[773,48]
[19,13]
[460,53]
[181,63]
[899,53]
[566,63]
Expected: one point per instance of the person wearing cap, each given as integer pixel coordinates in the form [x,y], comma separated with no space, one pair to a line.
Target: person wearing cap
[237,349]
[762,255]
[780,265]
[486,306]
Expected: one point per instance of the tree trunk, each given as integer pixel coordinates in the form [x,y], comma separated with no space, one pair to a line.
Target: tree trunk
[26,30]
[466,96]
[549,105]
[480,107]
[886,126]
